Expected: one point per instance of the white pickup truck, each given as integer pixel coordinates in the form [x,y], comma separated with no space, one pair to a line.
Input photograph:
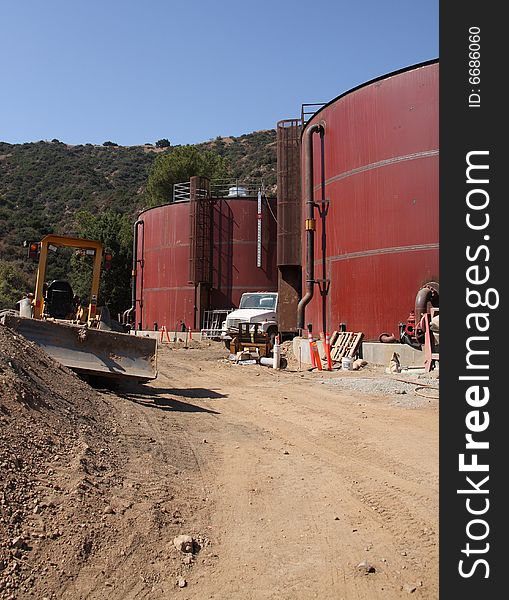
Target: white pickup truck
[254,307]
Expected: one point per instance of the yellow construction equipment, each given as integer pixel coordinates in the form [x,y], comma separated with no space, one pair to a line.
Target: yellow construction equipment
[83,338]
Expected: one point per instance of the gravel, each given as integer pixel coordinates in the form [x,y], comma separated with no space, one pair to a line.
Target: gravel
[402,393]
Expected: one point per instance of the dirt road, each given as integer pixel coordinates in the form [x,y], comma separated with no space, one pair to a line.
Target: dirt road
[286,482]
[300,482]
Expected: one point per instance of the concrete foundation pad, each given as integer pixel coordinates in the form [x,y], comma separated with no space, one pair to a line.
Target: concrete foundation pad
[380,354]
[374,352]
[302,352]
[173,336]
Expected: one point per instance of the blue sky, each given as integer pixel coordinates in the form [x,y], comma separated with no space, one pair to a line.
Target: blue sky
[135,71]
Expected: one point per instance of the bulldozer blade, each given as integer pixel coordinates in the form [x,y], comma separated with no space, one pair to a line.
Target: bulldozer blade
[91,351]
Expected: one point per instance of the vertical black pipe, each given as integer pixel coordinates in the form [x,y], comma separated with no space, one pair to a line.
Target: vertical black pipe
[135,267]
[324,236]
[310,222]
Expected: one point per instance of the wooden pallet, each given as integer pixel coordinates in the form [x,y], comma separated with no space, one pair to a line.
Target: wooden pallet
[333,338]
[345,343]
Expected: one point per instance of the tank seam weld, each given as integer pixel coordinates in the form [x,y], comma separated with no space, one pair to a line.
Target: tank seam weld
[248,288]
[382,163]
[375,251]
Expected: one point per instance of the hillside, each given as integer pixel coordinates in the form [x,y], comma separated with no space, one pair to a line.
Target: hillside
[44,184]
[250,155]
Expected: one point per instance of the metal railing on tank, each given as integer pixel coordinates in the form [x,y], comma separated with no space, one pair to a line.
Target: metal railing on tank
[182,191]
[222,188]
[308,110]
[235,188]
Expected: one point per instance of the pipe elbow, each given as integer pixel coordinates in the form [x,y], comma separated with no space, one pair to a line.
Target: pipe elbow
[428,293]
[301,307]
[318,127]
[306,299]
[387,338]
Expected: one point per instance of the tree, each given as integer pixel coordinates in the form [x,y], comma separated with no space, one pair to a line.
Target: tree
[164,143]
[114,230]
[108,143]
[178,166]
[13,284]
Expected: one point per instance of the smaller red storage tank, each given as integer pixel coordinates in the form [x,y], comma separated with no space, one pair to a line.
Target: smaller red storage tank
[164,294]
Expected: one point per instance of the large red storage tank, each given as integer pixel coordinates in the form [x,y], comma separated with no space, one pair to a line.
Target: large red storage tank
[381,178]
[164,295]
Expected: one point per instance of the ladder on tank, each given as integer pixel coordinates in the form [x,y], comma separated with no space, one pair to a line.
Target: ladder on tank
[200,214]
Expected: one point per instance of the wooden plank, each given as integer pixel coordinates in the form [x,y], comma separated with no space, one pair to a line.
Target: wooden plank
[355,344]
[340,345]
[346,344]
[333,338]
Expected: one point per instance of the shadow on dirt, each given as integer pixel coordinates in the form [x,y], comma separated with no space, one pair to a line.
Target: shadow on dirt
[186,392]
[158,397]
[168,404]
[150,392]
[164,398]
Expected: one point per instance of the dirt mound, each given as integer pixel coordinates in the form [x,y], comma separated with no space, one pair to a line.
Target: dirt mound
[94,485]
[54,432]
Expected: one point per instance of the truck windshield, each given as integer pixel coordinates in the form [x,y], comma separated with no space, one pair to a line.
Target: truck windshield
[262,301]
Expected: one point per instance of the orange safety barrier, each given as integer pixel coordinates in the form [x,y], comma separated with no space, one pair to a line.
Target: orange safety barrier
[327,352]
[311,352]
[322,339]
[163,332]
[316,356]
